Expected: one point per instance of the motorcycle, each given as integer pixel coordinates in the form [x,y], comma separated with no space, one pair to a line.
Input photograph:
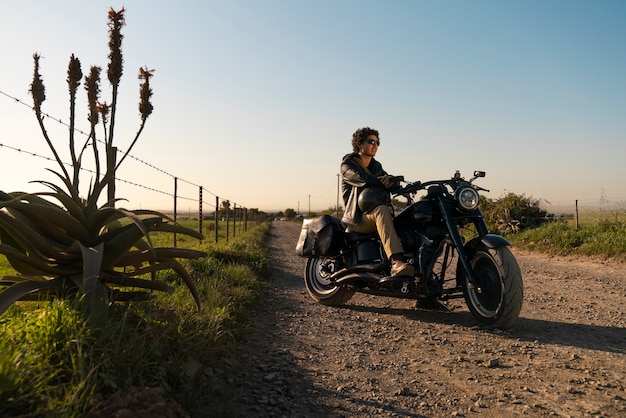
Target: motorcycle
[482,269]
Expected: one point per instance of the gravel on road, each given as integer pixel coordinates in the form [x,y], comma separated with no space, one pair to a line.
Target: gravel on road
[383,357]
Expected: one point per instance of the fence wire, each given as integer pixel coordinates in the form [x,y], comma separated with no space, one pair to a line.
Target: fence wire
[121,152]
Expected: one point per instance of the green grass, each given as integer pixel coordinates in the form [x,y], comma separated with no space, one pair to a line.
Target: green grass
[208,230]
[5,267]
[51,364]
[592,217]
[598,235]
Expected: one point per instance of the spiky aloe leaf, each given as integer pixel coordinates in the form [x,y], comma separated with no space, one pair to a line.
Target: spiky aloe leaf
[36,199]
[184,274]
[53,214]
[46,240]
[74,208]
[54,234]
[133,258]
[101,218]
[174,228]
[20,290]
[35,266]
[119,241]
[108,216]
[166,224]
[94,299]
[68,183]
[19,232]
[143,226]
[7,234]
[141,283]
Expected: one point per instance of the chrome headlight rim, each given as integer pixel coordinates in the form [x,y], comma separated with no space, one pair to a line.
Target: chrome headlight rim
[467,198]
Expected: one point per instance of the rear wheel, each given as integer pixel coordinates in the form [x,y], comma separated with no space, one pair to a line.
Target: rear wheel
[496,300]
[318,284]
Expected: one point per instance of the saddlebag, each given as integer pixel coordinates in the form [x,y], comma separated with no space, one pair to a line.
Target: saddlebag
[322,235]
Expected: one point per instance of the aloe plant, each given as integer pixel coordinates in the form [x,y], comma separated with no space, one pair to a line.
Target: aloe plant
[65,245]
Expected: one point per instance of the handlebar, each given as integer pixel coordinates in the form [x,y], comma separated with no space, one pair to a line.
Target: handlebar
[410,188]
[414,187]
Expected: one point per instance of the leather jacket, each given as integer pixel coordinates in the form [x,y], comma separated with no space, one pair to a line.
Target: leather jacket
[354,179]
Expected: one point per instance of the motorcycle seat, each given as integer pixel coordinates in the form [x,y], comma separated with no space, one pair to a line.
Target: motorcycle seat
[357,236]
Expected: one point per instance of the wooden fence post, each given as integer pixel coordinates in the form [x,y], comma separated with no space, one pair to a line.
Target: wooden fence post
[200,211]
[217,205]
[175,204]
[234,220]
[227,208]
[111,162]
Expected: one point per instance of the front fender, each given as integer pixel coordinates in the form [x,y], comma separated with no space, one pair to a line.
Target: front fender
[489,241]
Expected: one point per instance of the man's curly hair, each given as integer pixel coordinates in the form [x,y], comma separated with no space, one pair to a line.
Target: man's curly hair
[360,135]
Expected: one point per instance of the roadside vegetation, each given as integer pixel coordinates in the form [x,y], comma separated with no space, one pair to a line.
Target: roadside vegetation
[53,364]
[599,234]
[91,303]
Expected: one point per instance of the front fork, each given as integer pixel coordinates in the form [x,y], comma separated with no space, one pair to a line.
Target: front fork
[457,242]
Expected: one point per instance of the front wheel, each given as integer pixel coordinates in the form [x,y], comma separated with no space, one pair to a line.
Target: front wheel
[496,300]
[318,284]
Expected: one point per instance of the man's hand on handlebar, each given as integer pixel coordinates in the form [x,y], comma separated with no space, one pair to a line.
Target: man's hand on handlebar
[389,181]
[410,188]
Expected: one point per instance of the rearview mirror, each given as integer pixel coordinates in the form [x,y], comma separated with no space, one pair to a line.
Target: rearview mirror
[479,174]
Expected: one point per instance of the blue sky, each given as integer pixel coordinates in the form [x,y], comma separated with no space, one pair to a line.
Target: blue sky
[257,100]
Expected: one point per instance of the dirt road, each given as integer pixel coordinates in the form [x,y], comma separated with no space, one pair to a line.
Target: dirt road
[379,357]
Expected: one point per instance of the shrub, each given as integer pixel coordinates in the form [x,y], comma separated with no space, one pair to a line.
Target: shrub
[513,213]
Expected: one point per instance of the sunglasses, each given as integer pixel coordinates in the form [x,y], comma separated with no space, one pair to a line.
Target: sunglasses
[373,142]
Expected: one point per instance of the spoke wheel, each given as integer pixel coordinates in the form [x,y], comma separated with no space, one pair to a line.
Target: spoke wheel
[317,274]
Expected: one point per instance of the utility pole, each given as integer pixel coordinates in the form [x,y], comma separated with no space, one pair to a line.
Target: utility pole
[309,205]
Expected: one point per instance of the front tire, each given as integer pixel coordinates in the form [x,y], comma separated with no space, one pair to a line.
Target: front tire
[496,300]
[317,274]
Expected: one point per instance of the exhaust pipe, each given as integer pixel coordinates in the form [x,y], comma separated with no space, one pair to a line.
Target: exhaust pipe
[365,272]
[355,277]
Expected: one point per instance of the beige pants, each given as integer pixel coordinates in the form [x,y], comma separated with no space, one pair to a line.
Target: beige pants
[380,219]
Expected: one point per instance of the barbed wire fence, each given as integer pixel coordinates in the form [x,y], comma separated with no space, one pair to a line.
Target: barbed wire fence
[239,215]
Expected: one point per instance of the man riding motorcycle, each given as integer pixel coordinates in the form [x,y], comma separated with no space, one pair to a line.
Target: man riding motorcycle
[364,186]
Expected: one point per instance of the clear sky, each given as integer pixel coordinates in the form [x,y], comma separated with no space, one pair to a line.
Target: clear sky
[257,100]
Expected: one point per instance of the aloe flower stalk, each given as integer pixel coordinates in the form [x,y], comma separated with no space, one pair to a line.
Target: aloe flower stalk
[38,92]
[114,73]
[92,85]
[145,107]
[74,75]
[145,92]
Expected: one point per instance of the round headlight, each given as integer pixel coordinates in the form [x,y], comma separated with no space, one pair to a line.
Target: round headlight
[466,198]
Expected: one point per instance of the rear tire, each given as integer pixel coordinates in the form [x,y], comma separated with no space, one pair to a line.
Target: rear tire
[317,274]
[496,300]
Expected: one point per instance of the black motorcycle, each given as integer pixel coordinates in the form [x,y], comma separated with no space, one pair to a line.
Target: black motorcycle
[432,228]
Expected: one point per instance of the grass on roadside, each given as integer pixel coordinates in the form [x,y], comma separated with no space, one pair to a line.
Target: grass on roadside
[52,365]
[604,236]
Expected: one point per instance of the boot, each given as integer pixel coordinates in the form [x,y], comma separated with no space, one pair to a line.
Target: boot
[400,267]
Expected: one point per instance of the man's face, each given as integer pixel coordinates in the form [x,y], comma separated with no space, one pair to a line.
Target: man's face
[370,146]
